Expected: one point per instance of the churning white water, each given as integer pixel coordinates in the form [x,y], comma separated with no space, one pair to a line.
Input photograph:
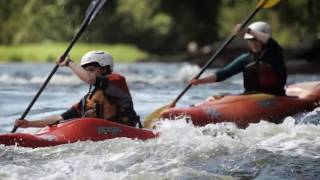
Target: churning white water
[290,150]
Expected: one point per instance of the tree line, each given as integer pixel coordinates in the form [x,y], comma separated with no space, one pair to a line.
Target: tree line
[157,26]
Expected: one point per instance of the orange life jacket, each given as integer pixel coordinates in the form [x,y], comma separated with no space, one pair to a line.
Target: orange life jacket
[97,105]
[112,102]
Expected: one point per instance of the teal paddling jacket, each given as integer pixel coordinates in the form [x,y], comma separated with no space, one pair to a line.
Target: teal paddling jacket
[264,72]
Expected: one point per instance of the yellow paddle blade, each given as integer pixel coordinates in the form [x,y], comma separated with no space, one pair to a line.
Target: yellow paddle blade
[267,3]
[155,115]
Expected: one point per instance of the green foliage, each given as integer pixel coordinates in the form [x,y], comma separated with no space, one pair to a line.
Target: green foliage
[193,21]
[48,52]
[301,19]
[138,22]
[232,13]
[293,22]
[33,21]
[157,26]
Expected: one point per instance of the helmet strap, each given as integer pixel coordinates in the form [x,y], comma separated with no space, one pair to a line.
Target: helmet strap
[106,70]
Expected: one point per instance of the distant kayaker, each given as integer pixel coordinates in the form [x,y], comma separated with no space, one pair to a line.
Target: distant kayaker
[263,66]
[108,96]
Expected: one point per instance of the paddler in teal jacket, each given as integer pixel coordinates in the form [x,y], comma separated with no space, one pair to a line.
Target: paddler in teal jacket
[263,66]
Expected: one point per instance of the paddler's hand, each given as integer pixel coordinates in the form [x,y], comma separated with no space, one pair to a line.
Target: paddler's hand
[22,123]
[172,105]
[64,62]
[195,81]
[238,31]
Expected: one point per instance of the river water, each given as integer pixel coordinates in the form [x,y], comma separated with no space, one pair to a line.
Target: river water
[290,150]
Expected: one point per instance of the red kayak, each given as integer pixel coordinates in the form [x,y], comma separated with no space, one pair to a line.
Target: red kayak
[246,109]
[81,129]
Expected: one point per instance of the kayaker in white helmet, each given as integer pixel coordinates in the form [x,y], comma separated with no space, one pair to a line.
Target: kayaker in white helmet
[263,66]
[108,96]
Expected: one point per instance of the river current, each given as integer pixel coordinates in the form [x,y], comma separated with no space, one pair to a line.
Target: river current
[290,150]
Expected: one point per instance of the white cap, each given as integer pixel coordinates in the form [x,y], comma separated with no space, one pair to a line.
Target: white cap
[100,57]
[258,26]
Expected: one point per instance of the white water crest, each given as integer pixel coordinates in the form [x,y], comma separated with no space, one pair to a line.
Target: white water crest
[290,150]
[133,74]
[178,153]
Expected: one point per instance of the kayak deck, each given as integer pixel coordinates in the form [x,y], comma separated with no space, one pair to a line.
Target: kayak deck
[81,129]
[245,109]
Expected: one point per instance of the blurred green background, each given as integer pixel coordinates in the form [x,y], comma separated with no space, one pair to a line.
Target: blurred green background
[37,30]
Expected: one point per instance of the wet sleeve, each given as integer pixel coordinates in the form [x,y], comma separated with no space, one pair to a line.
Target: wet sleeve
[235,67]
[71,113]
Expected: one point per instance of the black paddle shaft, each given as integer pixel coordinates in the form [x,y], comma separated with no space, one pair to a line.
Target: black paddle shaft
[83,27]
[218,52]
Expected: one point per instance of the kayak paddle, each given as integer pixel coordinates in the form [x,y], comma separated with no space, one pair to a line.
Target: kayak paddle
[91,12]
[156,114]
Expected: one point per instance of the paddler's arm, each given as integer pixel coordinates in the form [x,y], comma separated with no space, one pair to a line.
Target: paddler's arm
[209,79]
[260,36]
[231,69]
[23,123]
[86,76]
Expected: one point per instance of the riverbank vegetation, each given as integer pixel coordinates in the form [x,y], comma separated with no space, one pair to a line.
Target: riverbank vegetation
[160,27]
[48,52]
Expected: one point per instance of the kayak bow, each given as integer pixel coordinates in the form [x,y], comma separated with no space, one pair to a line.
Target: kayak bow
[81,129]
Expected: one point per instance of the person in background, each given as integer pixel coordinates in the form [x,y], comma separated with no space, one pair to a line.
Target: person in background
[108,97]
[263,67]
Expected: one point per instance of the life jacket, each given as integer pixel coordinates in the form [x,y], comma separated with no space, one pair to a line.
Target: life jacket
[110,101]
[259,76]
[98,106]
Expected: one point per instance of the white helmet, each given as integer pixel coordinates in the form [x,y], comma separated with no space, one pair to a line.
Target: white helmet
[100,57]
[258,26]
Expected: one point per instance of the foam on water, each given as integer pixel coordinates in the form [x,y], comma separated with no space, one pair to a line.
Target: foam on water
[133,75]
[162,158]
[287,138]
[216,151]
[57,79]
[174,155]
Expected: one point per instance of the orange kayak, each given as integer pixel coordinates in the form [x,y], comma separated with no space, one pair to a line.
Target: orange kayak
[81,129]
[246,109]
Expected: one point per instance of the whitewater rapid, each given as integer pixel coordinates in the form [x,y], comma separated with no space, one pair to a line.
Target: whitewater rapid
[290,150]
